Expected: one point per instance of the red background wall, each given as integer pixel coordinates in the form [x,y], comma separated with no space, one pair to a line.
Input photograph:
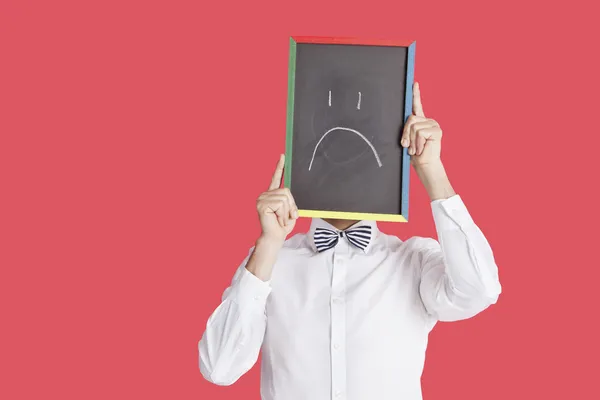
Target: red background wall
[135,137]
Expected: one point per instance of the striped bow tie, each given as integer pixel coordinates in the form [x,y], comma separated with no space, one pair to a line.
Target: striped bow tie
[326,239]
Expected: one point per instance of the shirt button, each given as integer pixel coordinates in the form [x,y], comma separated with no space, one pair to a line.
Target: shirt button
[337,300]
[336,346]
[256,297]
[338,393]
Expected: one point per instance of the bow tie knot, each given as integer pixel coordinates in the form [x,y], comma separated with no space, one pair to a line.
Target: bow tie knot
[326,239]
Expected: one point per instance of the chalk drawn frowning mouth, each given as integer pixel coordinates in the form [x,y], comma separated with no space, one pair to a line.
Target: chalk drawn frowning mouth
[346,129]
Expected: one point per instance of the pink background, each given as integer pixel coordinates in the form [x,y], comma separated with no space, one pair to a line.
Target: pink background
[135,137]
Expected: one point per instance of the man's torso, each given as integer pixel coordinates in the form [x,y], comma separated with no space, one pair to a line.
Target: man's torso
[343,324]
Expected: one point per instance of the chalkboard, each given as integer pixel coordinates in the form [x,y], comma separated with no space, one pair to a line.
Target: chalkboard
[348,101]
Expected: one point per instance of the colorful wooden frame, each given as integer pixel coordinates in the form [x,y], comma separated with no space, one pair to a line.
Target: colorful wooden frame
[411,45]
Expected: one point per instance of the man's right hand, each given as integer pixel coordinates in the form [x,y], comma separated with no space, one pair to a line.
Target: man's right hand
[277,213]
[277,210]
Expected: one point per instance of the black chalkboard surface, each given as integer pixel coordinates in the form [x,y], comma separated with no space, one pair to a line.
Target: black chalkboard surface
[348,101]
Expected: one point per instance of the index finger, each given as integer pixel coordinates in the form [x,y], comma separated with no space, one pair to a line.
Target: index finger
[276,180]
[417,106]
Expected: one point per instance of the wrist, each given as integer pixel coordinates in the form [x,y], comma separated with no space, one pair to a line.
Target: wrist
[434,179]
[269,243]
[432,169]
[263,257]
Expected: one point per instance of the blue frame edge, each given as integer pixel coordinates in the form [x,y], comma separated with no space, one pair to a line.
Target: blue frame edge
[410,79]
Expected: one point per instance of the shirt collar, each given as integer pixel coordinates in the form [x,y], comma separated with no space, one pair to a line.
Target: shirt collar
[320,223]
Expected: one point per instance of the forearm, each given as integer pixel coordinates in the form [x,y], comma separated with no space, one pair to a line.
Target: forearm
[436,182]
[231,343]
[234,332]
[226,356]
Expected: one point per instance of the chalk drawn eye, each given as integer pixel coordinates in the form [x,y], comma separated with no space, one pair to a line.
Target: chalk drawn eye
[359,100]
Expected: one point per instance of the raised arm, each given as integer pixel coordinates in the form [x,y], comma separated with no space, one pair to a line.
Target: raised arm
[234,333]
[458,277]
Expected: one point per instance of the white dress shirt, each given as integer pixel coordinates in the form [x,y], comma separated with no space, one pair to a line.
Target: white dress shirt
[348,324]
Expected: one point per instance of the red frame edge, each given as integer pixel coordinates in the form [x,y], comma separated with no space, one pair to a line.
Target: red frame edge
[350,40]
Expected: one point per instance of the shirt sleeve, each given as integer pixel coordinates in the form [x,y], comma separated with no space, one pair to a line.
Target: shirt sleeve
[235,330]
[459,276]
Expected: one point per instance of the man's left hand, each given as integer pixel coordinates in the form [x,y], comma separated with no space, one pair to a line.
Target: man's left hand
[422,136]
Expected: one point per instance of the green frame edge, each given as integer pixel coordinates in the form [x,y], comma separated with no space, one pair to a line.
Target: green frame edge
[287,177]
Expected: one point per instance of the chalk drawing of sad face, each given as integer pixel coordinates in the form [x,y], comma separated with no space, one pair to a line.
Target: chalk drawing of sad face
[343,125]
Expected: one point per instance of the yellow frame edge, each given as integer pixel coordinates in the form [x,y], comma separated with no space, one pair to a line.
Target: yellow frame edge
[352,215]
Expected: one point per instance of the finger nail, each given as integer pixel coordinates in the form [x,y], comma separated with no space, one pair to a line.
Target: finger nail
[403,142]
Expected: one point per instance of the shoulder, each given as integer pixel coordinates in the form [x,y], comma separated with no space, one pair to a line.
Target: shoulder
[297,244]
[295,241]
[393,244]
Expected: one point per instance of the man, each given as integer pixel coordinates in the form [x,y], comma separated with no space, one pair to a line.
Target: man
[344,311]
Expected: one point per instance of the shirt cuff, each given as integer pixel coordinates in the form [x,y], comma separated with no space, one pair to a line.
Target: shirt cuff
[450,213]
[251,292]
